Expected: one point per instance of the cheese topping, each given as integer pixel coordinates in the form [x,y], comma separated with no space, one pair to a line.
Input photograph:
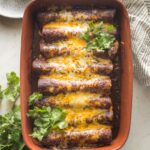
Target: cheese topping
[65,25]
[75,65]
[74,76]
[79,115]
[88,127]
[69,27]
[78,99]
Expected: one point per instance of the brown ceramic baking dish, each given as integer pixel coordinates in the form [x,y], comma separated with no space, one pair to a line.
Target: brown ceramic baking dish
[126,66]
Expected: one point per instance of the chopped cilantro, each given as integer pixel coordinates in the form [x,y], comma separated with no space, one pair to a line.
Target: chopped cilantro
[10,123]
[10,131]
[1,92]
[35,96]
[12,91]
[97,38]
[46,119]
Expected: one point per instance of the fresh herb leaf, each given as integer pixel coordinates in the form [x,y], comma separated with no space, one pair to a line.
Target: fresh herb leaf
[12,92]
[10,131]
[97,38]
[62,125]
[1,93]
[10,123]
[46,119]
[35,96]
[57,114]
[111,28]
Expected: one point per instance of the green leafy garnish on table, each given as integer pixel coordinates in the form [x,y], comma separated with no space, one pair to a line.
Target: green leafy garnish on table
[45,120]
[35,96]
[97,38]
[1,92]
[12,91]
[10,131]
[10,123]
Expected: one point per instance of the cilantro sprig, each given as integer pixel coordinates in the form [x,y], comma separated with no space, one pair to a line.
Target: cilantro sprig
[35,96]
[10,131]
[97,38]
[1,93]
[12,91]
[45,120]
[10,123]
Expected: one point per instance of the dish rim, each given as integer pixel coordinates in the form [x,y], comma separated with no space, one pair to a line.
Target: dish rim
[23,64]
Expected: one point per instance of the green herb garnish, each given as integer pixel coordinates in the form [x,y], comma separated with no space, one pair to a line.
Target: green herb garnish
[10,131]
[111,28]
[12,91]
[35,96]
[10,123]
[97,38]
[1,92]
[46,119]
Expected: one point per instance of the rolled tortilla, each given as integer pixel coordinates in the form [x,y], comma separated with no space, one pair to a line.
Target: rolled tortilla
[76,99]
[76,15]
[54,86]
[75,116]
[43,66]
[83,138]
[61,49]
[56,31]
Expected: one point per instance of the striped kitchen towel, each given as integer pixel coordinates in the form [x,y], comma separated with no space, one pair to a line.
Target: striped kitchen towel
[139,13]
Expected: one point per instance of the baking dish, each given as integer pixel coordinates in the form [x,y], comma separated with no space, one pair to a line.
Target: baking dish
[126,66]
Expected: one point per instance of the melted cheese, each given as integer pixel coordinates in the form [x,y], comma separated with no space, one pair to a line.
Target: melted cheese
[73,63]
[88,127]
[76,63]
[74,76]
[79,59]
[74,45]
[65,25]
[78,99]
[71,27]
[72,42]
[74,26]
[68,16]
[80,115]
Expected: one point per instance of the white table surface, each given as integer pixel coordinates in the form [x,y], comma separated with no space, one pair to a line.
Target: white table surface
[10,35]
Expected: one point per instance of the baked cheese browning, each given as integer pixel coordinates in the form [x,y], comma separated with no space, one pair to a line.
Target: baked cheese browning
[54,85]
[70,46]
[101,136]
[74,76]
[76,100]
[74,63]
[58,30]
[77,116]
[87,126]
[76,15]
[74,46]
[74,68]
[79,26]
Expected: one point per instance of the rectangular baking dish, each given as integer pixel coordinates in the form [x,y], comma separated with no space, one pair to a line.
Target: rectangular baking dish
[126,66]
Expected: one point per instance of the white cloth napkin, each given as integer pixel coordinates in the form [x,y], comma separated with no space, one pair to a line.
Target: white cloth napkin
[139,13]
